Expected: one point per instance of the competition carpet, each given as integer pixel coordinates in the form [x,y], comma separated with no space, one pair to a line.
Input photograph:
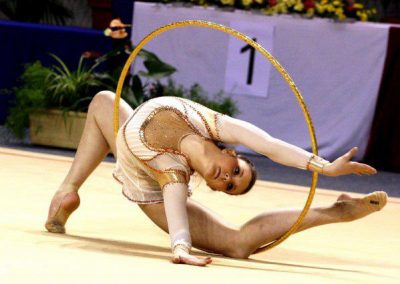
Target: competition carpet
[109,239]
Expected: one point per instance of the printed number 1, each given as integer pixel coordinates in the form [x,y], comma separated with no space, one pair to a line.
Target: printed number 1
[251,61]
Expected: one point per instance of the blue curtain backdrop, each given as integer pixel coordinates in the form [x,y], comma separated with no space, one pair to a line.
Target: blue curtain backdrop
[22,43]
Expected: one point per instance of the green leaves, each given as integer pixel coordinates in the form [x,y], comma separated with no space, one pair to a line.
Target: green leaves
[135,90]
[156,69]
[55,87]
[218,102]
[72,89]
[29,97]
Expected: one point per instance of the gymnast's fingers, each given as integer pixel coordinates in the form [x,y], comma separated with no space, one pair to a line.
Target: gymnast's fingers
[192,260]
[352,152]
[362,169]
[369,170]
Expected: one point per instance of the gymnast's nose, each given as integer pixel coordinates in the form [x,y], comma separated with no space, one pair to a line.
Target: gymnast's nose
[226,177]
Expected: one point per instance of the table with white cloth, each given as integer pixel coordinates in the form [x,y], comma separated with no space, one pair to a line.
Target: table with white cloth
[337,67]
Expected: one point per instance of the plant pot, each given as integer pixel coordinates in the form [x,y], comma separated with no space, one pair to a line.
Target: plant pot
[57,128]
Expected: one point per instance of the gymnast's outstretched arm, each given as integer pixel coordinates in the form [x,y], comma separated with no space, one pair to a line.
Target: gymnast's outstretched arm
[175,205]
[235,131]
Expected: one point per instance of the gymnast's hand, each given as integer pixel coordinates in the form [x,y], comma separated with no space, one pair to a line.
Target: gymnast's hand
[344,166]
[182,256]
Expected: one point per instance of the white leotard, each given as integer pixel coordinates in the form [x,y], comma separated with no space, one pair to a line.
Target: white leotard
[152,169]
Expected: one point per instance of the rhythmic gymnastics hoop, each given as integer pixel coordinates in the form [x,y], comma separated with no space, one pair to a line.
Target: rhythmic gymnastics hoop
[277,65]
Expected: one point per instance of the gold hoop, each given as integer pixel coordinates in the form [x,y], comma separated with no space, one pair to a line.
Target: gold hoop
[274,62]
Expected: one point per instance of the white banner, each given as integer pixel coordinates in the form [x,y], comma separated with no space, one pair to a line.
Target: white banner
[337,67]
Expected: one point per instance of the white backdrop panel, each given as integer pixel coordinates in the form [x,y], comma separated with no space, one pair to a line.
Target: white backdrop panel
[337,67]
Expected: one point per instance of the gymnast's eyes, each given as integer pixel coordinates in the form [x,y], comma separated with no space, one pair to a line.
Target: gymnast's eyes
[229,187]
[236,171]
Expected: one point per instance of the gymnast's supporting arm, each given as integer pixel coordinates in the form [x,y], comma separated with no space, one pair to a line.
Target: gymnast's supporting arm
[175,198]
[235,131]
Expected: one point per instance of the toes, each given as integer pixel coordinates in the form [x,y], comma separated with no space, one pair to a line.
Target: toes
[54,227]
[378,199]
[62,205]
[382,196]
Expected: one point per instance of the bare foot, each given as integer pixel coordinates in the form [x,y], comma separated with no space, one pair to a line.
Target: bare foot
[355,208]
[61,207]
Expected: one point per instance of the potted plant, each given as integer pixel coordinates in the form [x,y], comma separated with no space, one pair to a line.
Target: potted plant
[53,101]
[67,96]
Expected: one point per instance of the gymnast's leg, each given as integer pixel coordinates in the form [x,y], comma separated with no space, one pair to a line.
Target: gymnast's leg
[210,233]
[96,142]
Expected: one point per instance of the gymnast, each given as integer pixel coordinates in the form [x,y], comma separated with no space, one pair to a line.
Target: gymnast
[163,142]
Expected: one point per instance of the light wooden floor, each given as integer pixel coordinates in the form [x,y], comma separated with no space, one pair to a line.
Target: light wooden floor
[110,240]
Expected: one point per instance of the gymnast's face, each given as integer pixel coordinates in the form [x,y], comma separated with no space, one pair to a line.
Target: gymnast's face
[229,173]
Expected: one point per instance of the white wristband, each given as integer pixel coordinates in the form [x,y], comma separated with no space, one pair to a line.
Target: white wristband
[181,244]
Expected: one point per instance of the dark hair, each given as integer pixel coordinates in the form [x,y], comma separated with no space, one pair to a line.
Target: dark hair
[253,173]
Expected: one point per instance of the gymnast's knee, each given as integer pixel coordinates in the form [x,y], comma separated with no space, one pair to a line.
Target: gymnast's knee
[238,250]
[238,254]
[101,99]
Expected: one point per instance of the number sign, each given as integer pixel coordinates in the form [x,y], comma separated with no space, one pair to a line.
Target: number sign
[247,72]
